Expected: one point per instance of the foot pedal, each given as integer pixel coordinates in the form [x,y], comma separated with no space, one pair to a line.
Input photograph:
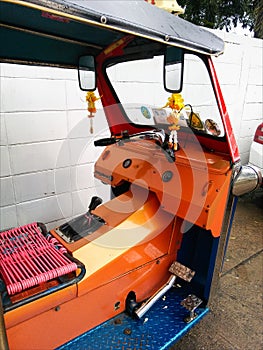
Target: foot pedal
[181,271]
[191,303]
[177,270]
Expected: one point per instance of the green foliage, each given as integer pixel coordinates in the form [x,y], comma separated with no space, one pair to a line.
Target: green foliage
[258,27]
[225,14]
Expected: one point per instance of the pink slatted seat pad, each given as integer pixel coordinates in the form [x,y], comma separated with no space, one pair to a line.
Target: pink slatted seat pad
[28,258]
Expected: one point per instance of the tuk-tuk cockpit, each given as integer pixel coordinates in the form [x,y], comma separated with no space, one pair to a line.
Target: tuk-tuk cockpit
[170,160]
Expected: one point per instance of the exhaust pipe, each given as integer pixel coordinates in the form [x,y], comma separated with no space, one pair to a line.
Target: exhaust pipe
[247,180]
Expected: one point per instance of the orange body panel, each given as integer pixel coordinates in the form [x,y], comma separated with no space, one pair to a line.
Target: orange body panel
[135,248]
[58,325]
[196,178]
[25,312]
[141,267]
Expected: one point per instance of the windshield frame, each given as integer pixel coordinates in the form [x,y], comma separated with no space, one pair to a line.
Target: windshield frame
[127,58]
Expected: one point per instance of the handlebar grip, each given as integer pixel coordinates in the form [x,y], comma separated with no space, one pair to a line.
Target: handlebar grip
[105,142]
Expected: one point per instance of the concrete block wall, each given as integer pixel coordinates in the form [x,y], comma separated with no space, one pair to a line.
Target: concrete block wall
[240,74]
[47,152]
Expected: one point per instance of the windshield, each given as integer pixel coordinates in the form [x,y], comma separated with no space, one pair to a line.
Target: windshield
[139,86]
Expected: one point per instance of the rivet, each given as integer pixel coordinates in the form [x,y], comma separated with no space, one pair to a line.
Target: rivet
[103,19]
[127,331]
[117,321]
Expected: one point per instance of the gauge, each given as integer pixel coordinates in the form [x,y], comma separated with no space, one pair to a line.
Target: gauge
[126,163]
[167,176]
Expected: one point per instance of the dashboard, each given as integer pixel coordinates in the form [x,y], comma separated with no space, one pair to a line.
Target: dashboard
[191,187]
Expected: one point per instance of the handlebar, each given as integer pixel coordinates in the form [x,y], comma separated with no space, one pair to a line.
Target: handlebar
[157,135]
[105,142]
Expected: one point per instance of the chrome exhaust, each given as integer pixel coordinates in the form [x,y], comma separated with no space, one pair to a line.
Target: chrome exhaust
[247,180]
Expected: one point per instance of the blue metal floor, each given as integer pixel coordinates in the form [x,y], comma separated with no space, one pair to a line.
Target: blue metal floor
[160,327]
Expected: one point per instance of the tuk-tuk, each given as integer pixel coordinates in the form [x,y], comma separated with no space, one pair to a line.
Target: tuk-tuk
[139,270]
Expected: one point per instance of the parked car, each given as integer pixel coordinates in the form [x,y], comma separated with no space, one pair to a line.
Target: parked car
[256,150]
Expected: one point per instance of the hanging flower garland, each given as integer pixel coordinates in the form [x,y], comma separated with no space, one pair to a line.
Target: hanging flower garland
[91,98]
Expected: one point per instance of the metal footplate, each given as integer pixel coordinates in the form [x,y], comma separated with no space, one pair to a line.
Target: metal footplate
[191,303]
[162,326]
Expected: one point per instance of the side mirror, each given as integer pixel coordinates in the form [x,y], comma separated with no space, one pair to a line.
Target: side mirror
[87,73]
[173,69]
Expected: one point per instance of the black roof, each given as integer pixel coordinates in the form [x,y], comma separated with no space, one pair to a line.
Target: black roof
[78,26]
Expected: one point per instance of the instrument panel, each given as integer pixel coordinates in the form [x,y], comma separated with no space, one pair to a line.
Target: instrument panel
[190,187]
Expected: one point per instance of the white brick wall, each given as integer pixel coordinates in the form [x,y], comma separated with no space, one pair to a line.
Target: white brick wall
[47,152]
[240,74]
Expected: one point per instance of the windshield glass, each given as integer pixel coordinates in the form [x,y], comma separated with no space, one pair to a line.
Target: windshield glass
[140,89]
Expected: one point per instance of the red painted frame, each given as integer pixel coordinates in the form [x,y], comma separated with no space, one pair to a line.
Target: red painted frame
[116,116]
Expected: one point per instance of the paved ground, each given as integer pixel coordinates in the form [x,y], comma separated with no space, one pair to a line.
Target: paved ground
[236,318]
